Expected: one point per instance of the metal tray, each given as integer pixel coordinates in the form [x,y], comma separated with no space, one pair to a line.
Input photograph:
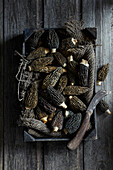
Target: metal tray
[90,135]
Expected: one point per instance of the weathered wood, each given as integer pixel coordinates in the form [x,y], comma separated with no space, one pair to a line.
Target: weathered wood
[17,154]
[56,13]
[56,155]
[98,154]
[1,84]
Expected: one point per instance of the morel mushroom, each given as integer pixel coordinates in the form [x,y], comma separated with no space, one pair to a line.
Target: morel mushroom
[75,90]
[83,73]
[37,64]
[28,113]
[34,39]
[51,79]
[47,69]
[76,104]
[39,52]
[56,97]
[50,117]
[60,59]
[103,107]
[41,115]
[73,123]
[102,73]
[71,77]
[62,83]
[35,124]
[68,113]
[31,99]
[77,53]
[57,122]
[46,106]
[68,43]
[53,40]
[72,65]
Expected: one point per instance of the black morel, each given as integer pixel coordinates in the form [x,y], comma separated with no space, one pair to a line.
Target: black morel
[56,97]
[68,43]
[39,52]
[73,123]
[72,65]
[34,39]
[53,40]
[103,107]
[62,83]
[52,78]
[46,106]
[76,104]
[102,73]
[37,64]
[41,115]
[83,73]
[72,78]
[31,99]
[57,122]
[60,59]
[28,113]
[68,113]
[75,90]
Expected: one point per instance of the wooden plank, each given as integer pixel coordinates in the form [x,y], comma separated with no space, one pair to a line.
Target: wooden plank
[56,13]
[17,154]
[99,154]
[1,84]
[56,154]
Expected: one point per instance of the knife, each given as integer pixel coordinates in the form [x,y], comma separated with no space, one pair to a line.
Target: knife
[75,142]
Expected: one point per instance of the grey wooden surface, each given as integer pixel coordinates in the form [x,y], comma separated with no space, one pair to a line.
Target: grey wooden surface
[15,16]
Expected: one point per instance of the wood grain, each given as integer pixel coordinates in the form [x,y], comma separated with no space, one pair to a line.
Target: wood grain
[56,13]
[56,155]
[18,155]
[1,84]
[99,154]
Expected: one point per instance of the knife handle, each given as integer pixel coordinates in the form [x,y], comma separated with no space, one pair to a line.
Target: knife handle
[75,142]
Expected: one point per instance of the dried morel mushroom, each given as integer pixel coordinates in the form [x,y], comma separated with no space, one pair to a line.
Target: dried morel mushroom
[31,98]
[72,78]
[73,123]
[46,106]
[68,43]
[103,107]
[52,78]
[34,39]
[28,113]
[39,52]
[83,73]
[51,116]
[53,40]
[72,65]
[57,122]
[37,64]
[41,115]
[77,53]
[76,104]
[102,73]
[75,90]
[68,113]
[62,83]
[47,69]
[35,124]
[60,59]
[56,97]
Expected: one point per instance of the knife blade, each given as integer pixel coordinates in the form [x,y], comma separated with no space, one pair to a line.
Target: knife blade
[75,142]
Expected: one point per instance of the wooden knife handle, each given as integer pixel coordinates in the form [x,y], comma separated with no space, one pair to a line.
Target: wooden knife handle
[75,142]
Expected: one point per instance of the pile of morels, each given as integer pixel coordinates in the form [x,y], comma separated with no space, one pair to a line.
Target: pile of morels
[56,80]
